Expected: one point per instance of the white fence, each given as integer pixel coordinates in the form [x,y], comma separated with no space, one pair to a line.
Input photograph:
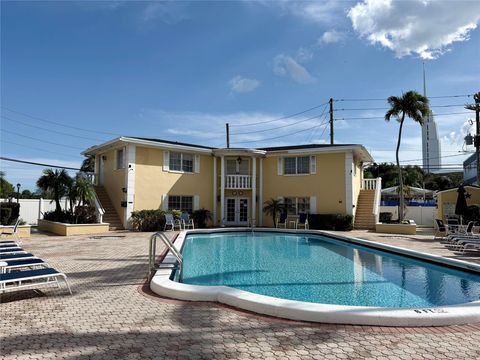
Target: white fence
[33,209]
[423,215]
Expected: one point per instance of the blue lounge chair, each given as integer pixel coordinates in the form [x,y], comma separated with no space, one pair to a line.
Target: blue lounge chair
[33,278]
[282,221]
[302,221]
[9,257]
[13,250]
[24,263]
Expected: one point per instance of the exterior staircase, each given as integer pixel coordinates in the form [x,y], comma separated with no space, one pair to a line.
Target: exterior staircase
[364,217]
[110,215]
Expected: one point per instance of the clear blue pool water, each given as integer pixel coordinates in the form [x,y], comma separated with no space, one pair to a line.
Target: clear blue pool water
[321,270]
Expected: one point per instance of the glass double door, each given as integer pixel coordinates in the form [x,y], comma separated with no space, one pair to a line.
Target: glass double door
[236,209]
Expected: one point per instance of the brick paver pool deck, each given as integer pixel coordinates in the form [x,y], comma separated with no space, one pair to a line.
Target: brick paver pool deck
[110,317]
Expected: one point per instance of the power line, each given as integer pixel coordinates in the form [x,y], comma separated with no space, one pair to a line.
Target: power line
[382,117]
[35,148]
[36,163]
[439,157]
[430,97]
[277,137]
[58,123]
[50,130]
[384,108]
[37,139]
[281,118]
[283,126]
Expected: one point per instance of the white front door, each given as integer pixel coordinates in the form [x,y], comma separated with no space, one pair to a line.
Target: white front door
[236,211]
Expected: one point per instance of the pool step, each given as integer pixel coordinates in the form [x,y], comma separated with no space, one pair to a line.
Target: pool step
[364,218]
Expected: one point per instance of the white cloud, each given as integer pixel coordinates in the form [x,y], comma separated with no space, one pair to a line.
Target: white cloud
[168,12]
[318,11]
[423,27]
[284,65]
[332,36]
[304,55]
[243,85]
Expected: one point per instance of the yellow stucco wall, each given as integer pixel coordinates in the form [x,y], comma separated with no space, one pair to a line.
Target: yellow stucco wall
[449,198]
[72,229]
[114,181]
[407,229]
[151,182]
[23,231]
[328,184]
[357,183]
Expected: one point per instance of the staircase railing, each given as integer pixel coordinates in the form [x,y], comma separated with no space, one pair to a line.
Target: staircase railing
[152,267]
[99,210]
[377,198]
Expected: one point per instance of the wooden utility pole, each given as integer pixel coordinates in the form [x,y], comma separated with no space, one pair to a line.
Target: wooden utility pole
[331,121]
[476,107]
[228,134]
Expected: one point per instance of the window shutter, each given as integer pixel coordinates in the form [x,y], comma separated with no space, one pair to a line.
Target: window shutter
[313,164]
[196,165]
[166,160]
[196,202]
[280,166]
[313,204]
[165,202]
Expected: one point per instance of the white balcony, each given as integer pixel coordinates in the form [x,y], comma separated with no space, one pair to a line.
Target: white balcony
[237,182]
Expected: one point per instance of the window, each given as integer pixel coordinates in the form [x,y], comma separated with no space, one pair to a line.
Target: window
[120,159]
[182,203]
[296,205]
[239,166]
[181,162]
[297,165]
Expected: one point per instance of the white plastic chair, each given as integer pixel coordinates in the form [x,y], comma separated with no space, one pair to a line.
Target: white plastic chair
[187,222]
[171,223]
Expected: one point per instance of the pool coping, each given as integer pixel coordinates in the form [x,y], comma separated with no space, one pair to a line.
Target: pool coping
[325,313]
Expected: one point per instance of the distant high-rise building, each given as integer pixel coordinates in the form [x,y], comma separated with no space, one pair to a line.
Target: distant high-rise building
[430,142]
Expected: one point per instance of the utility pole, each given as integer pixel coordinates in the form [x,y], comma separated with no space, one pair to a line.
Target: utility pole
[476,107]
[331,121]
[228,134]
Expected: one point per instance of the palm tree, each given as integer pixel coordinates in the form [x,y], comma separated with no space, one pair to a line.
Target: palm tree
[415,106]
[273,207]
[55,182]
[84,191]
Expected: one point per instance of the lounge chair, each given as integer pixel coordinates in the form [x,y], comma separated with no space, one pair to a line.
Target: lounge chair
[282,221]
[302,221]
[186,221]
[11,230]
[171,223]
[33,278]
[9,257]
[26,263]
[13,250]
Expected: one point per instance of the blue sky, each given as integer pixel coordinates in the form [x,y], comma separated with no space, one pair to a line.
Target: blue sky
[180,70]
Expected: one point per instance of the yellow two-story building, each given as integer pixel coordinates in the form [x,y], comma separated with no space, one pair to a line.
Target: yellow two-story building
[232,183]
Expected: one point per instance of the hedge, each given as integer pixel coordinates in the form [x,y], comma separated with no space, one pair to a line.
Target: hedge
[338,222]
[148,220]
[9,213]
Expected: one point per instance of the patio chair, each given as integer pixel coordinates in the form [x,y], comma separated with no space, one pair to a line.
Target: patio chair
[462,233]
[33,278]
[171,223]
[10,257]
[25,263]
[302,221]
[13,250]
[12,230]
[186,221]
[282,221]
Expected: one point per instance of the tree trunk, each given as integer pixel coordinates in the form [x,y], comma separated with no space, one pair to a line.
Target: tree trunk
[274,218]
[400,177]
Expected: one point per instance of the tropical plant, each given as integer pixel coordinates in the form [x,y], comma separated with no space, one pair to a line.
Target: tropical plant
[55,182]
[88,164]
[6,189]
[273,207]
[201,217]
[84,191]
[415,106]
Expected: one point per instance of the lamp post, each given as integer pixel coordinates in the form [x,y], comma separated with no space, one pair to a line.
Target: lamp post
[476,107]
[18,192]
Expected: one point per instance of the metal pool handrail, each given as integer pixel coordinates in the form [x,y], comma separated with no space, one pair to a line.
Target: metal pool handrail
[153,248]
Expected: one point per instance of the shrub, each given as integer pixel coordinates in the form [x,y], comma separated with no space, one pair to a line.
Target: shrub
[85,215]
[473,214]
[9,213]
[148,220]
[58,216]
[337,222]
[386,217]
[201,218]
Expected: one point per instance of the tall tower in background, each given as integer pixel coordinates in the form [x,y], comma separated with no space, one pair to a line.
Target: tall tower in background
[430,142]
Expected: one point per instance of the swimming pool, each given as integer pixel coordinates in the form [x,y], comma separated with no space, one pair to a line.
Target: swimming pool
[298,274]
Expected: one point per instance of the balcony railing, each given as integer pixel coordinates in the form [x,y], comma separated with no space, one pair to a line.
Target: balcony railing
[238,182]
